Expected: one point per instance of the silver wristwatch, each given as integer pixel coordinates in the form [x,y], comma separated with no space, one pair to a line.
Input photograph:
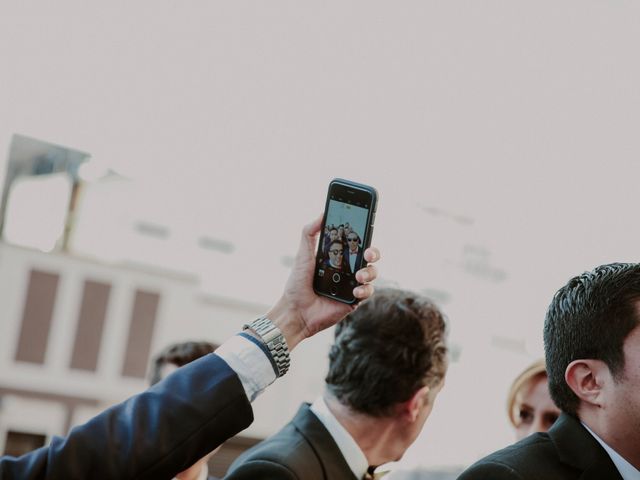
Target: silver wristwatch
[274,340]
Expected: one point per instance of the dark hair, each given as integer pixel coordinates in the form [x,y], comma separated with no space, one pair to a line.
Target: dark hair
[178,354]
[333,242]
[388,348]
[353,232]
[589,318]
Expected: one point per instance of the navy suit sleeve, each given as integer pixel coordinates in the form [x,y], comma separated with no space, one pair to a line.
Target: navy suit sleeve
[254,469]
[155,434]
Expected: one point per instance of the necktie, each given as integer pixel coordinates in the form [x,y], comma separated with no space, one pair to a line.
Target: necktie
[371,474]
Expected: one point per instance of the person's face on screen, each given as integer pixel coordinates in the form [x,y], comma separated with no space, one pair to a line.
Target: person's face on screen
[536,410]
[352,242]
[336,252]
[333,234]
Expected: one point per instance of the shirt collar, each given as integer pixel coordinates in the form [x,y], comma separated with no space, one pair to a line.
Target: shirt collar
[627,471]
[350,450]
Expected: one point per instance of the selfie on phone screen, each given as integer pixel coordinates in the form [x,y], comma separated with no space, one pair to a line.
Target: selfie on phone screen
[345,234]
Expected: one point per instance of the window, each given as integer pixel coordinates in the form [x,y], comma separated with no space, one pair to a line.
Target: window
[19,443]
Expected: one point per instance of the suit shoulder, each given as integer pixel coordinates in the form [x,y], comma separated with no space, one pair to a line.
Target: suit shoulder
[257,468]
[532,458]
[489,470]
[287,449]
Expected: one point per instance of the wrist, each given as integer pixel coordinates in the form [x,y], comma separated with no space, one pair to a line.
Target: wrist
[269,338]
[289,321]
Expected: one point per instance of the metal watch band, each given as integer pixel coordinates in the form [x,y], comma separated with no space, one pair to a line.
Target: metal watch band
[274,340]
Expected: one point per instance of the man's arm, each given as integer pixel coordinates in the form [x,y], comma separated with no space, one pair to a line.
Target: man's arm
[167,428]
[158,431]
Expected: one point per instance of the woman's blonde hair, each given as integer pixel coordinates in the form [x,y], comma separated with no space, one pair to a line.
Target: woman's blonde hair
[533,371]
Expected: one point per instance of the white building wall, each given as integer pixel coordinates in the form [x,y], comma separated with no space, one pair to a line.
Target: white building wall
[30,416]
[184,313]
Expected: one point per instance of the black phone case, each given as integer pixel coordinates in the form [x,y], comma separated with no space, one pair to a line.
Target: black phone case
[366,240]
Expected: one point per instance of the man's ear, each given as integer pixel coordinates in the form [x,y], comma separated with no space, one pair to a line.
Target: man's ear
[586,379]
[416,403]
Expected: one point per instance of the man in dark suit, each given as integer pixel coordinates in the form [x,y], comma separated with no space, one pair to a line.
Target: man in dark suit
[353,253]
[386,368]
[167,428]
[592,349]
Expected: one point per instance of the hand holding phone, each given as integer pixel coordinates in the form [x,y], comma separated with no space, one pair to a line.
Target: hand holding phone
[347,227]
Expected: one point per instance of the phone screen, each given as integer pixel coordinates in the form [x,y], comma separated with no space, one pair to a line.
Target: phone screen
[344,237]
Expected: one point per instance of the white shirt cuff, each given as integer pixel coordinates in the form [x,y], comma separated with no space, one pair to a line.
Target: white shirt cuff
[250,364]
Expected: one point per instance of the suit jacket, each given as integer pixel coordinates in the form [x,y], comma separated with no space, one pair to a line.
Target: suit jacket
[153,435]
[568,451]
[303,449]
[347,258]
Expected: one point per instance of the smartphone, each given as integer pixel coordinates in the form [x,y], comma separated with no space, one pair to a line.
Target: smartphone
[347,227]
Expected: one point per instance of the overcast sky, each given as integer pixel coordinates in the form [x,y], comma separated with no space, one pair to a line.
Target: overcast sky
[502,136]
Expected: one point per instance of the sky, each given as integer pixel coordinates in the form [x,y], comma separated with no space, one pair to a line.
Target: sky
[501,136]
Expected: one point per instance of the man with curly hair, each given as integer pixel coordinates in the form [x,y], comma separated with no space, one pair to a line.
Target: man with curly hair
[386,367]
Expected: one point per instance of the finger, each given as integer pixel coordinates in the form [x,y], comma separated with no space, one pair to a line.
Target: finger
[363,291]
[311,229]
[367,274]
[372,254]
[309,237]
